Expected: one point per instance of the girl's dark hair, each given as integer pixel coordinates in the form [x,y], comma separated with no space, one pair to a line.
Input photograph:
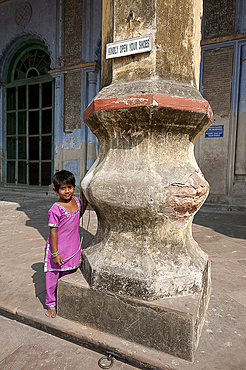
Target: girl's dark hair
[63,176]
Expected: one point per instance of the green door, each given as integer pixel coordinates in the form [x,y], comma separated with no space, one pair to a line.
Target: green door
[29,120]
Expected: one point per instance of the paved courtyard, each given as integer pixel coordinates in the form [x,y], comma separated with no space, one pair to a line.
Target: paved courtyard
[23,233]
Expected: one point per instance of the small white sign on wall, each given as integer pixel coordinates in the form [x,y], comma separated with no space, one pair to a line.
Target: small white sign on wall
[128,47]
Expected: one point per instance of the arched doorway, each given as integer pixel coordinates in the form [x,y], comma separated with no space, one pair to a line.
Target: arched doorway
[29,116]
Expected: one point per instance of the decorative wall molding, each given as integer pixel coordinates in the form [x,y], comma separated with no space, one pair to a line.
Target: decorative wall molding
[12,46]
[23,14]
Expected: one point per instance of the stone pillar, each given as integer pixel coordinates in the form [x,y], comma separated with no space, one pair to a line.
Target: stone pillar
[146,185]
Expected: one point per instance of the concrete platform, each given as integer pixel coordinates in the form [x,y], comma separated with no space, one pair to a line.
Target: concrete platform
[222,235]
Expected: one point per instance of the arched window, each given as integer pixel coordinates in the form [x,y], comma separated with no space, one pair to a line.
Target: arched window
[34,63]
[29,116]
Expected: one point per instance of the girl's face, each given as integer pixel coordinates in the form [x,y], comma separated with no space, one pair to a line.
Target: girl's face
[66,192]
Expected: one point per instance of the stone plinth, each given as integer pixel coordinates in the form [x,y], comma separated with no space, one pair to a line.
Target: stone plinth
[170,325]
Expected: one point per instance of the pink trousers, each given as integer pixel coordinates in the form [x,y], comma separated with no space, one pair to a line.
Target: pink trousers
[51,278]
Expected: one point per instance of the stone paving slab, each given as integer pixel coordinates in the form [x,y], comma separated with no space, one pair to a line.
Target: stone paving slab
[23,231]
[27,348]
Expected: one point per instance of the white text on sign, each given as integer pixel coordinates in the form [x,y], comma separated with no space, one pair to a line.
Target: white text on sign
[128,47]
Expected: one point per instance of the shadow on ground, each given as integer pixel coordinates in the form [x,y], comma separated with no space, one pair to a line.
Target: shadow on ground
[39,282]
[227,223]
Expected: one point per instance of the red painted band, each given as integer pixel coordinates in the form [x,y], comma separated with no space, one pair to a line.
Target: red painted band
[143,100]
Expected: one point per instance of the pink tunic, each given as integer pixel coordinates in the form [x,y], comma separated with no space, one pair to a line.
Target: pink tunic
[68,238]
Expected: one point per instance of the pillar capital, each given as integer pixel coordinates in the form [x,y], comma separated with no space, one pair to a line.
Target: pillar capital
[146,98]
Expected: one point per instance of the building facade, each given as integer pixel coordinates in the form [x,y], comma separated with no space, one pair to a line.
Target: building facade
[221,151]
[50,57]
[49,72]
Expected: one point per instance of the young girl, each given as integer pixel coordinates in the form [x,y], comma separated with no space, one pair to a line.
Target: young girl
[63,250]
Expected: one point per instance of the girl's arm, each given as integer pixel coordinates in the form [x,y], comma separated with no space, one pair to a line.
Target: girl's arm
[53,241]
[84,203]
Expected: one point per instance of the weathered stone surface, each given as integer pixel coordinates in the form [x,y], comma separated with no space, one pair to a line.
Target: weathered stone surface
[107,37]
[73,12]
[175,29]
[146,187]
[219,22]
[171,325]
[217,79]
[72,91]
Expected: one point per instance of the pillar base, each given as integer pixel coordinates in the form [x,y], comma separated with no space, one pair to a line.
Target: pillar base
[170,325]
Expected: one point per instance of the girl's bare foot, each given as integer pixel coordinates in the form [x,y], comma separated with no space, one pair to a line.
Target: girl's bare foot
[51,313]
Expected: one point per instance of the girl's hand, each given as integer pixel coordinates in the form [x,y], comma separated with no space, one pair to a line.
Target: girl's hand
[82,197]
[84,202]
[58,260]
